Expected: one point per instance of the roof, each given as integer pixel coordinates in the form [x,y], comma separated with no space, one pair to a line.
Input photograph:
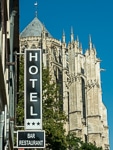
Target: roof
[34,28]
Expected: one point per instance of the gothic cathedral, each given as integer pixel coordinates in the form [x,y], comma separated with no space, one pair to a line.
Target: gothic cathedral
[79,76]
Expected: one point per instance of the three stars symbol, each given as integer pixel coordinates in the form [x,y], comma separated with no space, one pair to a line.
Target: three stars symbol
[33,123]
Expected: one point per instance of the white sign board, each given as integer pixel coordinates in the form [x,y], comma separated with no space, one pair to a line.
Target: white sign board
[33,89]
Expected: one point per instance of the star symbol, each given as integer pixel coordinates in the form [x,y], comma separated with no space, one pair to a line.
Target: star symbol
[28,123]
[38,123]
[33,123]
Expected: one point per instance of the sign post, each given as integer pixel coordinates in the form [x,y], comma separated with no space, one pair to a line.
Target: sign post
[33,89]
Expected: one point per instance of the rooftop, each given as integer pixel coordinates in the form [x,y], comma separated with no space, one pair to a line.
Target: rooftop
[34,28]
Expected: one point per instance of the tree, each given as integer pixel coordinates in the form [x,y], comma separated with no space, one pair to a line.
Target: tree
[53,115]
[89,146]
[20,102]
[74,142]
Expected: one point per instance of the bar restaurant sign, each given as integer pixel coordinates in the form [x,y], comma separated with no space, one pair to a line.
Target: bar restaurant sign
[31,139]
[33,89]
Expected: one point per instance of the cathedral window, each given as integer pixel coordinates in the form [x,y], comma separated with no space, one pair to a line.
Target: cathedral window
[66,57]
[44,51]
[85,136]
[55,53]
[83,98]
[68,104]
[39,44]
[47,59]
[46,34]
[67,65]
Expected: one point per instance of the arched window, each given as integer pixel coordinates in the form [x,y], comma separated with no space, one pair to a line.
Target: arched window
[83,98]
[33,46]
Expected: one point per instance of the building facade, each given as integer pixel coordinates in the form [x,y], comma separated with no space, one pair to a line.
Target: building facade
[78,74]
[9,46]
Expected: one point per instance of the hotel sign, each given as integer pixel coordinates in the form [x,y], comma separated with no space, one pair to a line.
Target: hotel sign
[33,89]
[31,139]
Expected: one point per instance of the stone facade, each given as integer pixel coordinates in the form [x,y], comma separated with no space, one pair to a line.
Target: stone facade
[79,77]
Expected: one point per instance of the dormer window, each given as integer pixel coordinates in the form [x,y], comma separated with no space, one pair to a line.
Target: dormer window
[33,46]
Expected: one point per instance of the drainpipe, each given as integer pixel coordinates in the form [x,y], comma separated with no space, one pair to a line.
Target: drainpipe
[11,76]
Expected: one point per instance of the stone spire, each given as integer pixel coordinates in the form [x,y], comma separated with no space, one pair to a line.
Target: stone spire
[63,37]
[77,41]
[81,47]
[72,35]
[90,43]
[77,38]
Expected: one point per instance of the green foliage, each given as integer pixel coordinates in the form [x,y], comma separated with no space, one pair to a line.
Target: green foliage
[74,143]
[53,117]
[89,146]
[20,102]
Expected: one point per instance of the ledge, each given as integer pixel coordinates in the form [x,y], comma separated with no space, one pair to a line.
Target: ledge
[90,116]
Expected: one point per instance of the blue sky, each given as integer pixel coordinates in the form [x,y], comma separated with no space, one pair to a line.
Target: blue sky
[94,17]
